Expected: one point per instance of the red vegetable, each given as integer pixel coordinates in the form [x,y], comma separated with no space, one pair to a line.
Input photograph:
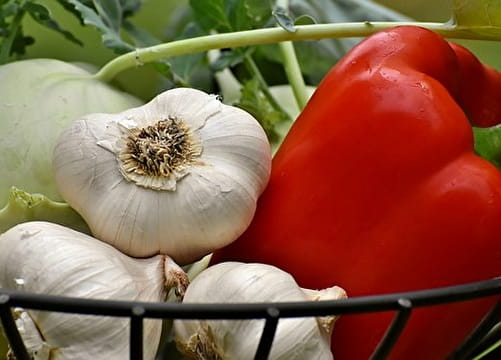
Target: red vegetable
[377,189]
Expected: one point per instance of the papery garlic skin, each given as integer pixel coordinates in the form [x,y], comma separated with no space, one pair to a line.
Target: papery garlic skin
[205,202]
[233,282]
[46,258]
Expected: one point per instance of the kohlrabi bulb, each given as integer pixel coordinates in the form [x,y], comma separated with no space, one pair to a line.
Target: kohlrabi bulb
[38,98]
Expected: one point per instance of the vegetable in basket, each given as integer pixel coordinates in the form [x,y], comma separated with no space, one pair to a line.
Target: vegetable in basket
[233,282]
[178,176]
[378,188]
[46,258]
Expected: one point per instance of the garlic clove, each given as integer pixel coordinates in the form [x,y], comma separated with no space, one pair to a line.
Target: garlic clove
[42,257]
[233,282]
[178,176]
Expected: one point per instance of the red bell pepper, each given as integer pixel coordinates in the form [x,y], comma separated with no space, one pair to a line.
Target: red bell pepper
[377,189]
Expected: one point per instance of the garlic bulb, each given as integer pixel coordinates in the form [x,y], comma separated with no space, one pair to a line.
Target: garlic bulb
[179,176]
[234,282]
[42,257]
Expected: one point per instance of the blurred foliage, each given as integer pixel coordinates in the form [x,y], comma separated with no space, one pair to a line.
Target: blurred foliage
[143,82]
[158,15]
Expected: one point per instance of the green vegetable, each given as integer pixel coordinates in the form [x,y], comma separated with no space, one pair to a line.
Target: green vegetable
[23,207]
[38,98]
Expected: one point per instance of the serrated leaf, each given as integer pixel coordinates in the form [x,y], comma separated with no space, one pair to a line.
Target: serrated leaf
[230,15]
[255,102]
[42,15]
[70,8]
[110,12]
[283,19]
[130,7]
[477,12]
[111,38]
[9,8]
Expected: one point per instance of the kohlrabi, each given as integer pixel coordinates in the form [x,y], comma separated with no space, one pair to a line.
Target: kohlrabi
[38,98]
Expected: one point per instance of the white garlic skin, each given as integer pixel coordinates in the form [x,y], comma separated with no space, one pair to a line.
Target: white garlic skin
[208,204]
[234,282]
[46,258]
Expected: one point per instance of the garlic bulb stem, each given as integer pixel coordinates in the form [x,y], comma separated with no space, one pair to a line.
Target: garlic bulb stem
[175,277]
[233,282]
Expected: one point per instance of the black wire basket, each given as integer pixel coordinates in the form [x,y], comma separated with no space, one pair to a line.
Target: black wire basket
[486,333]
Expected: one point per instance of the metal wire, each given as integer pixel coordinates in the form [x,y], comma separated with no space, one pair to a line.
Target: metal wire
[401,303]
[395,329]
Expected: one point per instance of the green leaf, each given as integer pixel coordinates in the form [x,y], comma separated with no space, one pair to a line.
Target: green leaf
[230,15]
[259,12]
[42,15]
[130,7]
[248,14]
[257,104]
[140,36]
[283,19]
[230,58]
[304,20]
[187,70]
[488,143]
[211,15]
[11,16]
[477,12]
[111,37]
[110,12]
[9,8]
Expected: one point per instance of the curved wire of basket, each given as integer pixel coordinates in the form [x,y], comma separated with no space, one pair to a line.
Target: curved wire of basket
[401,303]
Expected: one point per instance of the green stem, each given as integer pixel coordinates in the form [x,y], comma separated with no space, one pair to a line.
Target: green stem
[274,35]
[291,65]
[6,46]
[254,70]
[293,72]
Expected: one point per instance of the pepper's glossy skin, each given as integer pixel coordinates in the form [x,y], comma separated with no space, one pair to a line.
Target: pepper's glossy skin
[377,189]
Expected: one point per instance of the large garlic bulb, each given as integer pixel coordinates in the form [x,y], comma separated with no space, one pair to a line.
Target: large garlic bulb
[179,176]
[42,257]
[234,282]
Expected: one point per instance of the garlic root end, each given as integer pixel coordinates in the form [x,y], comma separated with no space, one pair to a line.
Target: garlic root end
[175,277]
[200,346]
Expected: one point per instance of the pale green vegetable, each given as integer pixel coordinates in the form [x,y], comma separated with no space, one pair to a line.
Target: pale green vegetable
[24,207]
[38,98]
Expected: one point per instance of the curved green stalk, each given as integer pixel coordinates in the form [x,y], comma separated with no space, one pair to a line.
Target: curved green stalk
[291,65]
[276,35]
[293,72]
